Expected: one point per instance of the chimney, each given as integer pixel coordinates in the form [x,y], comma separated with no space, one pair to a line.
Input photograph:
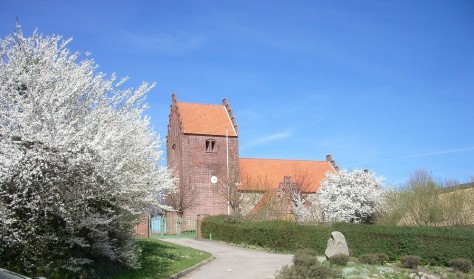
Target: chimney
[329,157]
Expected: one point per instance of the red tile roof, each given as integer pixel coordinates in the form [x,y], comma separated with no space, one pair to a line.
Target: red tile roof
[203,119]
[266,174]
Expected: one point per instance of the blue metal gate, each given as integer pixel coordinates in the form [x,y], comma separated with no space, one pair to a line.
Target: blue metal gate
[155,225]
[173,227]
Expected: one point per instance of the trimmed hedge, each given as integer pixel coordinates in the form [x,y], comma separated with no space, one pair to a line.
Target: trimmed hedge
[274,235]
[435,245]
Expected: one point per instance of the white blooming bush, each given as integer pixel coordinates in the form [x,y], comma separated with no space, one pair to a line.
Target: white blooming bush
[78,161]
[350,196]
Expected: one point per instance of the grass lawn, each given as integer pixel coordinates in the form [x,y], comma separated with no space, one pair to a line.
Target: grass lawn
[162,259]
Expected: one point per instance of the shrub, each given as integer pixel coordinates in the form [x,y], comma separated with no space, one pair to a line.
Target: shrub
[410,261]
[322,272]
[339,259]
[368,259]
[306,265]
[463,265]
[316,270]
[379,258]
[305,258]
[382,258]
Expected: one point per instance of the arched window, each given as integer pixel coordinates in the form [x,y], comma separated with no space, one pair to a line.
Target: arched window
[210,145]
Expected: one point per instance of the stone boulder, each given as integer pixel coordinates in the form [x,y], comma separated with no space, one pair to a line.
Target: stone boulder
[336,245]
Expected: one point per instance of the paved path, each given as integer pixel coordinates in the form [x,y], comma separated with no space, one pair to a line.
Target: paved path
[234,262]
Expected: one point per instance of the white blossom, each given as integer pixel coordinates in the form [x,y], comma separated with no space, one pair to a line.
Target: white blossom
[350,196]
[300,209]
[75,150]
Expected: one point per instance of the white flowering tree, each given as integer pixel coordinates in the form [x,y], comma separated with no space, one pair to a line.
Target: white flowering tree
[78,161]
[350,196]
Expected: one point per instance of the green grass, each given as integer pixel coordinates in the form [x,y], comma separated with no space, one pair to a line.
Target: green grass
[162,259]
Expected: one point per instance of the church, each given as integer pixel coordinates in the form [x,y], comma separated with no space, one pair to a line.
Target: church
[203,152]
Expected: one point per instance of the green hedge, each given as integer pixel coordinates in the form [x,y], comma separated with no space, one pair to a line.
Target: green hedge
[275,235]
[434,245]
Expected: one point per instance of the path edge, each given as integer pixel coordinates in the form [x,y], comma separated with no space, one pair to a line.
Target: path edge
[192,268]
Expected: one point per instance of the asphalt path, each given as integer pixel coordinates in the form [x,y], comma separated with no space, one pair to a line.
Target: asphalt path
[234,262]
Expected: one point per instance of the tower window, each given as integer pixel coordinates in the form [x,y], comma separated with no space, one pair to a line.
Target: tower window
[210,145]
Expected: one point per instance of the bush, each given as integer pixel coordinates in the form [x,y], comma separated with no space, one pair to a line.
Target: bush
[382,258]
[339,259]
[316,271]
[305,258]
[379,258]
[306,265]
[368,259]
[322,272]
[410,261]
[463,265]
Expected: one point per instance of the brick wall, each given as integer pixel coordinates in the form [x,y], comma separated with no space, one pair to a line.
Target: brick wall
[142,228]
[196,167]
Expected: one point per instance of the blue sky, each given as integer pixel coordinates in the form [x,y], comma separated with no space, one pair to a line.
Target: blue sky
[382,85]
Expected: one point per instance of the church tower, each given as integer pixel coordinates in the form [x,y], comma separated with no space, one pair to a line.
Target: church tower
[203,152]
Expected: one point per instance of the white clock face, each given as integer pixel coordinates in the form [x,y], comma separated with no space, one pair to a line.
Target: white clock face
[213,179]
